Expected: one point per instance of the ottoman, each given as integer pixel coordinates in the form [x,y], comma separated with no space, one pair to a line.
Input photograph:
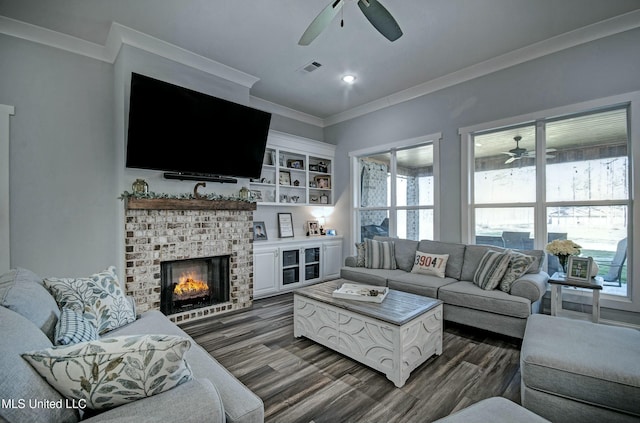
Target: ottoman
[576,370]
[494,410]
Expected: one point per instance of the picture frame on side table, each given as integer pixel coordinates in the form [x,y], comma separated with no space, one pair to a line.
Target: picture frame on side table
[313,228]
[579,268]
[285,225]
[259,231]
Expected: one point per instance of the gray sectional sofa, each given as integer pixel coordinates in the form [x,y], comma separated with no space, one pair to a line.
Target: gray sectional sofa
[464,302]
[28,315]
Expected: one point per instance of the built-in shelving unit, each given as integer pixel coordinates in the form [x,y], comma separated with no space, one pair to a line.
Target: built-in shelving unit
[295,171]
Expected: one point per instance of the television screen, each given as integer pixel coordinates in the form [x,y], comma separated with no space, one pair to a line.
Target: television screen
[176,129]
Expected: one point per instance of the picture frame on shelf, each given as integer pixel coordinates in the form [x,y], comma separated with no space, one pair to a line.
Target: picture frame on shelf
[324,199]
[285,225]
[313,167]
[314,199]
[259,231]
[579,268]
[256,195]
[285,177]
[323,182]
[313,228]
[295,164]
[323,168]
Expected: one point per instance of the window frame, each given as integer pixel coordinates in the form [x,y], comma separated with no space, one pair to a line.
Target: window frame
[392,209]
[630,100]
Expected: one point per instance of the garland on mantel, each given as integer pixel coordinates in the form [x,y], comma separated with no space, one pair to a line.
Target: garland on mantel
[186,196]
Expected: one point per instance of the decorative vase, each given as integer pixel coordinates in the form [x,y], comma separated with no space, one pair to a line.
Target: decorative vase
[140,186]
[563,259]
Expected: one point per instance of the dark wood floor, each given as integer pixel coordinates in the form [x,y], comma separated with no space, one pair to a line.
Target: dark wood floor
[301,381]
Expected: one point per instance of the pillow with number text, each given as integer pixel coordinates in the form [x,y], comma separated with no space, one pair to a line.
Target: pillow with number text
[430,264]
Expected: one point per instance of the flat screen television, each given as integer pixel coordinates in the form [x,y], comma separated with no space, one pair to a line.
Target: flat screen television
[192,135]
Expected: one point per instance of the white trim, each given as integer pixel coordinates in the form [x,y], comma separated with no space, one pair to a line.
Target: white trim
[411,142]
[118,36]
[5,225]
[268,106]
[605,28]
[632,303]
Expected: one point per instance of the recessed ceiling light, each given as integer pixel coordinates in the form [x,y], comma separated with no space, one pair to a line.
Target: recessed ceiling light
[349,79]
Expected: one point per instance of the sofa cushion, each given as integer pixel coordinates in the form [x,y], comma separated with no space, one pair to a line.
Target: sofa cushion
[518,265]
[114,371]
[405,251]
[430,264]
[590,363]
[73,328]
[22,291]
[473,254]
[454,250]
[240,404]
[19,381]
[416,283]
[466,294]
[366,276]
[379,254]
[491,269]
[99,297]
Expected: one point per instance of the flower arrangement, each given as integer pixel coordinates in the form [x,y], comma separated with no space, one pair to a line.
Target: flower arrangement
[563,247]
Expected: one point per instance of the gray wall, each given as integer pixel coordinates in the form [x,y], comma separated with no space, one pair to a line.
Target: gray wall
[67,151]
[590,71]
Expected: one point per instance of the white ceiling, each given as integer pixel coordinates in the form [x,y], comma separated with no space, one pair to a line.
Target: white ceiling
[260,38]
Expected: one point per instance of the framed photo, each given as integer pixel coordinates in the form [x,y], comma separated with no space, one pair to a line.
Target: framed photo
[259,231]
[323,181]
[313,167]
[256,194]
[331,232]
[285,225]
[313,228]
[285,177]
[579,268]
[295,164]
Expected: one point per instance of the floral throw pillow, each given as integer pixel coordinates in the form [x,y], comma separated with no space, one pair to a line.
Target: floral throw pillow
[518,266]
[360,258]
[99,297]
[113,371]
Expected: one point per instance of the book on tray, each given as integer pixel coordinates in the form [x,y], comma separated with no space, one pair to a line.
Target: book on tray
[360,292]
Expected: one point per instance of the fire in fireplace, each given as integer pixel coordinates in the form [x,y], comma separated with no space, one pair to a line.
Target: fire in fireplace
[193,283]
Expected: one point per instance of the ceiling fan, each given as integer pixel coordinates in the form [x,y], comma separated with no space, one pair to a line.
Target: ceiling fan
[377,15]
[522,153]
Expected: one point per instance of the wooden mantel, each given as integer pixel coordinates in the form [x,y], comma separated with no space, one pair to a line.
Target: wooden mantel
[186,204]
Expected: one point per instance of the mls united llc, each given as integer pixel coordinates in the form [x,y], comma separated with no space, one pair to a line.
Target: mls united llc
[44,403]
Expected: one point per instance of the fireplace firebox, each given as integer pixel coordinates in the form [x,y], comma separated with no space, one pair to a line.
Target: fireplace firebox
[193,283]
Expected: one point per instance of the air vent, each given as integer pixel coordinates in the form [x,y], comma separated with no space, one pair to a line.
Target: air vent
[310,67]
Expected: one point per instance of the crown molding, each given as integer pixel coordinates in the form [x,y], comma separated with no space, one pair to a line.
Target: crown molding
[118,36]
[602,29]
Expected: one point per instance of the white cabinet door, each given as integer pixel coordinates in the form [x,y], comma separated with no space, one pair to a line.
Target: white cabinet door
[332,260]
[265,272]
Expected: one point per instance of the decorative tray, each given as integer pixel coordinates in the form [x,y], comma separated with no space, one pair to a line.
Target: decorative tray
[360,292]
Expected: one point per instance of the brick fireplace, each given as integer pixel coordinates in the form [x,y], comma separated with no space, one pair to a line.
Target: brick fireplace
[167,230]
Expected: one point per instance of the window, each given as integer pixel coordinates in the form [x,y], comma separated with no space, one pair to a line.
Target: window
[396,190]
[561,176]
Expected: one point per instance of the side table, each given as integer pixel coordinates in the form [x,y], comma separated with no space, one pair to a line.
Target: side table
[557,282]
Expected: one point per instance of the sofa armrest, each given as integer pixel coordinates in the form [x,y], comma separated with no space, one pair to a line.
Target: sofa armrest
[194,401]
[351,261]
[531,286]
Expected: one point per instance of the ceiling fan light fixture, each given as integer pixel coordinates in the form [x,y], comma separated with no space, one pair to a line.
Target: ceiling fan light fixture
[349,79]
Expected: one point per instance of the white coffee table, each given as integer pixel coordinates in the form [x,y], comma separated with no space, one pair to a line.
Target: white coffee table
[393,337]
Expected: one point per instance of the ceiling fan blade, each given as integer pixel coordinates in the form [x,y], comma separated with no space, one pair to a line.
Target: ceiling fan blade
[510,160]
[380,18]
[320,22]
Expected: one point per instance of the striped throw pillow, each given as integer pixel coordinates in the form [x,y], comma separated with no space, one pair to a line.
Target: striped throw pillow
[379,254]
[491,269]
[73,328]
